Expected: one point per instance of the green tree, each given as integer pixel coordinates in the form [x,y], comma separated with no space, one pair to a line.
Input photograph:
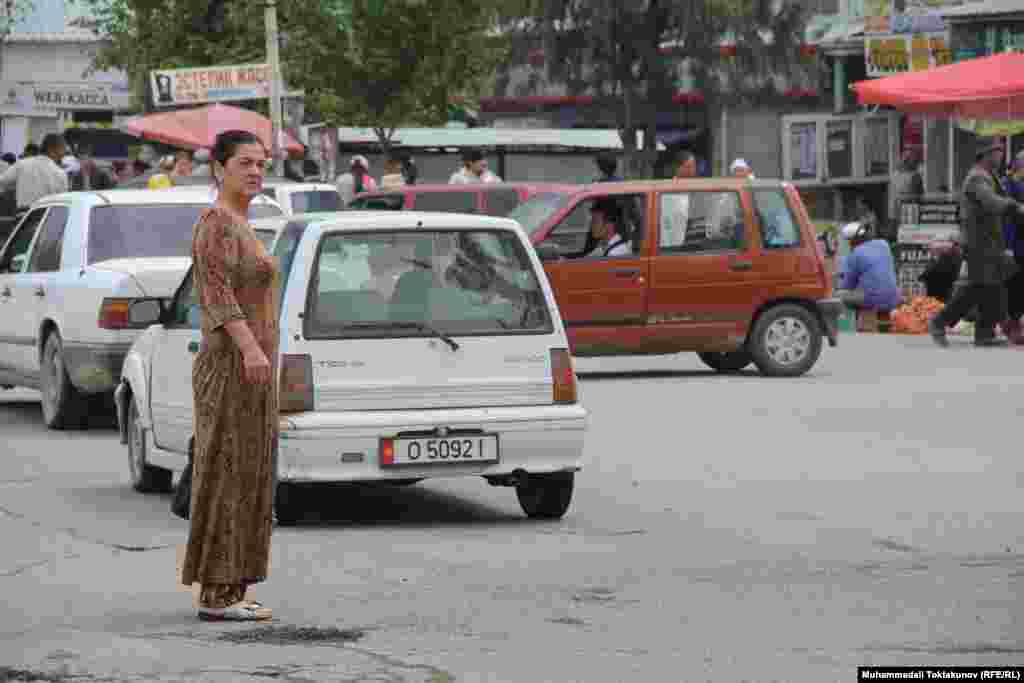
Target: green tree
[14,11]
[374,63]
[627,54]
[396,62]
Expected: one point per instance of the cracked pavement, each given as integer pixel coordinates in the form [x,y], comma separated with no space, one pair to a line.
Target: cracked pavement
[724,528]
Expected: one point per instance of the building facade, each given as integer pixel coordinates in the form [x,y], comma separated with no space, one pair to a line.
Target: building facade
[47,83]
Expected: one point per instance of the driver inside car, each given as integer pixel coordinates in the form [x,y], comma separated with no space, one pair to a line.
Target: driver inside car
[608,236]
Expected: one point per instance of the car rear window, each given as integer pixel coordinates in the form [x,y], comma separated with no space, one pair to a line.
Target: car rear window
[447,202]
[264,210]
[534,213]
[402,283]
[383,202]
[130,231]
[501,202]
[315,200]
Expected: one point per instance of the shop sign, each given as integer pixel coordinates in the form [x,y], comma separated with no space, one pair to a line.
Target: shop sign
[210,84]
[896,54]
[921,224]
[46,98]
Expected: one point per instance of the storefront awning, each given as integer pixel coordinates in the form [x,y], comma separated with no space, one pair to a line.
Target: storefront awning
[985,88]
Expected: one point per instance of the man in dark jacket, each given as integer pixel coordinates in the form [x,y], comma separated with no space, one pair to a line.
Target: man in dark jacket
[983,209]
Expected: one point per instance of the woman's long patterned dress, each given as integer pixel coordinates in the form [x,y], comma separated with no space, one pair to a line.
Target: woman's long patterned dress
[235,422]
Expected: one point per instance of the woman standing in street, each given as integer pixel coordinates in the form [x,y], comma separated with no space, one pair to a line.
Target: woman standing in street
[232,385]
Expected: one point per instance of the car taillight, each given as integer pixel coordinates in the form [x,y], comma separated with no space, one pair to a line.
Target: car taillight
[296,393]
[387,452]
[114,314]
[564,385]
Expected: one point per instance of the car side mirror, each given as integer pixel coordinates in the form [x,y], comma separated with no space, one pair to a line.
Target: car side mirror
[146,312]
[548,251]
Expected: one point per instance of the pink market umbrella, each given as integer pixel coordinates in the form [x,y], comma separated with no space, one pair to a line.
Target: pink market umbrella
[195,128]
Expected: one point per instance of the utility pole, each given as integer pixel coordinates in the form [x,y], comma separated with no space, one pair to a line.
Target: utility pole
[274,63]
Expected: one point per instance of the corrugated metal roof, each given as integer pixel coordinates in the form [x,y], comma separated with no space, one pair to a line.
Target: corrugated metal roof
[579,138]
[985,8]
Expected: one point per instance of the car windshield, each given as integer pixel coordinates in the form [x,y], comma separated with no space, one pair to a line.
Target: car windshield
[402,284]
[129,231]
[535,212]
[312,201]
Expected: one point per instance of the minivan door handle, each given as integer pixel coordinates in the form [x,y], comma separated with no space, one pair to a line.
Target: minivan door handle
[741,265]
[6,293]
[40,292]
[625,272]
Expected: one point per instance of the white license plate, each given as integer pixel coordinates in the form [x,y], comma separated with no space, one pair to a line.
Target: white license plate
[451,450]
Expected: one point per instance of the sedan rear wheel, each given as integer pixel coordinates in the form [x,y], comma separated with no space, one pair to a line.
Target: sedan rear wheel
[63,405]
[546,496]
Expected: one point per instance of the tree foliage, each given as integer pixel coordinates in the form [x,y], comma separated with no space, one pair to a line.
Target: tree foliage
[12,12]
[377,63]
[627,54]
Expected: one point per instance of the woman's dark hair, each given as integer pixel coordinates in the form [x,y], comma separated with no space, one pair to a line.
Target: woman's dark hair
[228,142]
[9,158]
[608,164]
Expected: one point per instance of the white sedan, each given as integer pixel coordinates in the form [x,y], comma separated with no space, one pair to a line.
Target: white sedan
[300,198]
[68,274]
[413,345]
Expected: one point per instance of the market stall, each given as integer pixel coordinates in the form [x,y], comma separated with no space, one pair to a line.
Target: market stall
[986,93]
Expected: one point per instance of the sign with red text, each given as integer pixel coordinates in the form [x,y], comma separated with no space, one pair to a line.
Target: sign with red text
[173,87]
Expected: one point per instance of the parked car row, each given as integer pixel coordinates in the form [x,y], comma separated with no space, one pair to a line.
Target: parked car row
[414,345]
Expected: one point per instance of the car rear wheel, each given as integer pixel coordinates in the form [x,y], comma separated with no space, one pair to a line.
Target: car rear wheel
[145,477]
[63,405]
[732,361]
[546,496]
[786,341]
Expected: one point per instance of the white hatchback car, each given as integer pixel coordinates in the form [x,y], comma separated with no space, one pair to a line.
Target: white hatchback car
[301,198]
[413,345]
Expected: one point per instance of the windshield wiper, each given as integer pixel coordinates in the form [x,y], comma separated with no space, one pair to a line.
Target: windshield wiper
[422,326]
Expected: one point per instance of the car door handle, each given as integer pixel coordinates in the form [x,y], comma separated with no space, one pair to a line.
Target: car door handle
[6,293]
[193,347]
[40,292]
[625,272]
[741,265]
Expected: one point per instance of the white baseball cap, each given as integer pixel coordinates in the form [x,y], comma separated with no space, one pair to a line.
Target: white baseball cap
[739,164]
[360,160]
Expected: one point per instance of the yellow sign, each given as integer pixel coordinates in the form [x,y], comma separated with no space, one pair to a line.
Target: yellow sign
[210,84]
[896,54]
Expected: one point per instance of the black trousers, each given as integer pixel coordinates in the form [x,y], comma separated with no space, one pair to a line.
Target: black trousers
[991,303]
[1015,293]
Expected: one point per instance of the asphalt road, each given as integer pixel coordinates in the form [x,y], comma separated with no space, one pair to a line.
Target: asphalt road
[723,529]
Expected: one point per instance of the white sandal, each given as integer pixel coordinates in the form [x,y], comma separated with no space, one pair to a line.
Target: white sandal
[242,611]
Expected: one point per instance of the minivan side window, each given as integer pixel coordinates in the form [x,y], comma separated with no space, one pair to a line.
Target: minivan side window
[701,222]
[779,227]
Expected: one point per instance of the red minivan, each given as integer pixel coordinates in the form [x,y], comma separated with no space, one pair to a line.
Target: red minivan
[725,267]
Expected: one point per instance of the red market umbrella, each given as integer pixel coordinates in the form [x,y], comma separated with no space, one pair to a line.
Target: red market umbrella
[195,128]
[984,88]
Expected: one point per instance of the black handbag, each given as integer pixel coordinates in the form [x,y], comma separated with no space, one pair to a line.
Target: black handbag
[183,491]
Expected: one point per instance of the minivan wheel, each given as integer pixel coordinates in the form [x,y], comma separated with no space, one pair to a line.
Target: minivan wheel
[145,477]
[786,341]
[546,496]
[63,405]
[731,361]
